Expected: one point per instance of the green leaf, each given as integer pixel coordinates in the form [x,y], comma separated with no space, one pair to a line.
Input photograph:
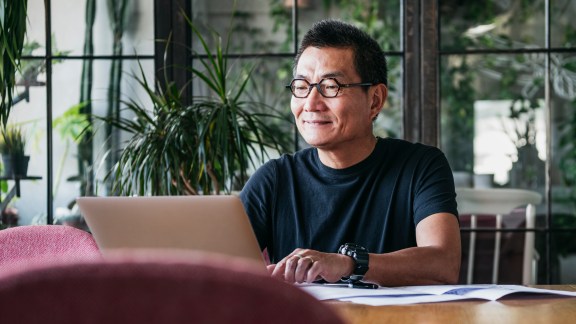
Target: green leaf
[12,32]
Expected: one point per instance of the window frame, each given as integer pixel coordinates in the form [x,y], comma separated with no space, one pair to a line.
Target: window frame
[421,57]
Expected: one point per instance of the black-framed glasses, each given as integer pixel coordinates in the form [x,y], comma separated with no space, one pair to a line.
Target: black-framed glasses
[328,88]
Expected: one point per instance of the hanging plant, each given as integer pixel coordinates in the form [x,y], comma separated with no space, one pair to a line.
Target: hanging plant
[12,31]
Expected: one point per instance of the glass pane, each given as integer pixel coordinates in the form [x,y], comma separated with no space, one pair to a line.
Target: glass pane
[67,125]
[457,113]
[260,26]
[66,14]
[109,140]
[491,24]
[135,30]
[267,86]
[79,164]
[35,40]
[563,179]
[563,26]
[493,118]
[29,113]
[390,121]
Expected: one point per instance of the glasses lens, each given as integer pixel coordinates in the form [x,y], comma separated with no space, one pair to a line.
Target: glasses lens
[300,88]
[329,87]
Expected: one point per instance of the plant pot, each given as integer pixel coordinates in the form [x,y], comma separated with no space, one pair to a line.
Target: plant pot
[15,165]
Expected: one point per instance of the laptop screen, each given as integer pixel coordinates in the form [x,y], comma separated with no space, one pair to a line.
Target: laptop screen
[210,223]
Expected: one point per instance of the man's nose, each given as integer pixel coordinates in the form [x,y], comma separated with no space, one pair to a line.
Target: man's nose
[316,93]
[313,100]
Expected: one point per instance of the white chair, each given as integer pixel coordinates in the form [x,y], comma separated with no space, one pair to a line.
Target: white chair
[500,202]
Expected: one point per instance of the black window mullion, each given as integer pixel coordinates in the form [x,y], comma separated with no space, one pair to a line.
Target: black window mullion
[547,165]
[430,103]
[49,142]
[169,23]
[411,46]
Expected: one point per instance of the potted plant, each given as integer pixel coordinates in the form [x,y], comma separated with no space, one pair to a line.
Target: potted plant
[12,145]
[203,148]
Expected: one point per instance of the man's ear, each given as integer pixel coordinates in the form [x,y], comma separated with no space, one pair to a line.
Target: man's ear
[379,95]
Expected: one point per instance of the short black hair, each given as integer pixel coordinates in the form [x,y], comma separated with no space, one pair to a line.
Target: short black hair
[369,59]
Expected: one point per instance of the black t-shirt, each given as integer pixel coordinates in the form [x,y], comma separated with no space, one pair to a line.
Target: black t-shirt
[295,201]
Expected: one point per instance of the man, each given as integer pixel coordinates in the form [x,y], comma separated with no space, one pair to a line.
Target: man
[392,201]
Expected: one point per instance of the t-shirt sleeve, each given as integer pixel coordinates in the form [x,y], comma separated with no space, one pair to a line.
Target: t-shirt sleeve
[434,187]
[257,198]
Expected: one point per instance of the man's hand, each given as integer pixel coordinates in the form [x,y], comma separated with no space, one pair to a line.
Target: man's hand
[309,265]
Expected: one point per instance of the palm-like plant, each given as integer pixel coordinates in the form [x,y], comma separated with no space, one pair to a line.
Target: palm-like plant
[204,148]
[12,31]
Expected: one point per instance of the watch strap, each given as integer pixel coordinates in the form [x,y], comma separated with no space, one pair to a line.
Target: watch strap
[360,256]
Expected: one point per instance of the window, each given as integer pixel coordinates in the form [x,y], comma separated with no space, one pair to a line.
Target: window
[508,93]
[62,79]
[493,83]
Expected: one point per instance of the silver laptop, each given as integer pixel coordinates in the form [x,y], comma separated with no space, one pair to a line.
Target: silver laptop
[215,223]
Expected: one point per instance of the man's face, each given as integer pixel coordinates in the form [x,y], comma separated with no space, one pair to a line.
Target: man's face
[332,123]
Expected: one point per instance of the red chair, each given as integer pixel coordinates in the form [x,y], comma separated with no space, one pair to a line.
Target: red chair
[152,288]
[45,241]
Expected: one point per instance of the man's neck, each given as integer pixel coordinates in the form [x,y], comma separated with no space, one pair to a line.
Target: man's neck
[347,155]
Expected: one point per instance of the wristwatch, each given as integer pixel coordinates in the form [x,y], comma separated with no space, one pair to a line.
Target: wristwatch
[360,256]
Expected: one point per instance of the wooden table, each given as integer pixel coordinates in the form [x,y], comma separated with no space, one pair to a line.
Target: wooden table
[547,309]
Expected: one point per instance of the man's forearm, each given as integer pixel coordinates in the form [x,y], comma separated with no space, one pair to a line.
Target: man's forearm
[427,265]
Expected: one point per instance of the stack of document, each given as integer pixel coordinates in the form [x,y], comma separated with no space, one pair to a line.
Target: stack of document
[425,294]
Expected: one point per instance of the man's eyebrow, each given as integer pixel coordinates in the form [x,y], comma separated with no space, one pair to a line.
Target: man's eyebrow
[324,76]
[332,75]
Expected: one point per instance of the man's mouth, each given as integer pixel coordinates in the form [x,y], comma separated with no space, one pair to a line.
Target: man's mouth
[317,122]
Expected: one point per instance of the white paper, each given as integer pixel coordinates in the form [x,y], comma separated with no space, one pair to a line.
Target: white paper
[425,294]
[327,291]
[408,300]
[487,292]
